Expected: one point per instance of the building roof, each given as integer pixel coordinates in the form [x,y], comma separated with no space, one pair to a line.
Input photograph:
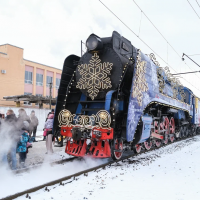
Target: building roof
[26,59]
[3,53]
[42,64]
[11,45]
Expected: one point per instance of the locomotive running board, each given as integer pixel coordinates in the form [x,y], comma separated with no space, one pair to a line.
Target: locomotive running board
[155,135]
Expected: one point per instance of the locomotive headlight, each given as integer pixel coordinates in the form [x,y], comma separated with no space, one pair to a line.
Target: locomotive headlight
[103,115]
[94,43]
[103,119]
[66,114]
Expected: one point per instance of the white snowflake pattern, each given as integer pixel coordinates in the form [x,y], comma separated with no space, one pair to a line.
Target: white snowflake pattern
[140,84]
[94,76]
[131,119]
[131,111]
[146,99]
[154,78]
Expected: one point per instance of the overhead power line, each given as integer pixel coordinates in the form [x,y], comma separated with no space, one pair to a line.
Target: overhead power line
[163,37]
[198,3]
[194,55]
[186,73]
[133,32]
[193,9]
[141,39]
[157,29]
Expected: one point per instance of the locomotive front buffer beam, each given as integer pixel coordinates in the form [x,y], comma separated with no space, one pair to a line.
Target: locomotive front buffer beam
[92,142]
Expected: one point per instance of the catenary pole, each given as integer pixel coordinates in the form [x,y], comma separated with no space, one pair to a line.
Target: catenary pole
[190,59]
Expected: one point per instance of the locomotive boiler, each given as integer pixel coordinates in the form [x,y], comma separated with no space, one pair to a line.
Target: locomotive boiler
[114,97]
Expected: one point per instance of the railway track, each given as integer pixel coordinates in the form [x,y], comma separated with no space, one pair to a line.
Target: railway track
[85,172]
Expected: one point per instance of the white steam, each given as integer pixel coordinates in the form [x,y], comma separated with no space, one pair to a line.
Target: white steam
[43,174]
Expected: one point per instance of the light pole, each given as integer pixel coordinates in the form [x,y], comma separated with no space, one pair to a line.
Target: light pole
[50,95]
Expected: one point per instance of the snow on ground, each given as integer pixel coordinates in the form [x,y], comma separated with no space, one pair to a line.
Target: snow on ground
[171,172]
[37,154]
[11,183]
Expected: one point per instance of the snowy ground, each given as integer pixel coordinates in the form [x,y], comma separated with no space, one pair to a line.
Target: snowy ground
[11,183]
[171,172]
[39,135]
[36,154]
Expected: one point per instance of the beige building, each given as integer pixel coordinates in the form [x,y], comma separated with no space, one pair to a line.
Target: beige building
[19,76]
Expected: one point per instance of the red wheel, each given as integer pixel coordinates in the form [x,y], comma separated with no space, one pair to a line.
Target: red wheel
[138,148]
[148,145]
[155,126]
[118,149]
[165,129]
[155,130]
[166,125]
[158,143]
[172,125]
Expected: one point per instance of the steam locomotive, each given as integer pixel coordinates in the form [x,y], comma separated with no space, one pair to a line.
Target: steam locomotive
[115,97]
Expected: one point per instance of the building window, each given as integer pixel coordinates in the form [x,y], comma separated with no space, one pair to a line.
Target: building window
[27,93]
[38,95]
[49,80]
[39,79]
[57,83]
[27,102]
[28,77]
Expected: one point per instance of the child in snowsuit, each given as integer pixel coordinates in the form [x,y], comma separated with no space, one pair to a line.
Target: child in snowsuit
[48,126]
[23,122]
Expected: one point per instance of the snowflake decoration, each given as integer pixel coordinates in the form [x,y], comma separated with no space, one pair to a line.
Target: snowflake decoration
[140,85]
[94,76]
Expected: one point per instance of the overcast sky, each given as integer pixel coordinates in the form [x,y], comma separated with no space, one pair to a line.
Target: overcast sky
[50,30]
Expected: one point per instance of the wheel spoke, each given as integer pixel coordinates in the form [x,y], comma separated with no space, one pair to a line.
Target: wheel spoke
[157,143]
[118,149]
[148,145]
[138,148]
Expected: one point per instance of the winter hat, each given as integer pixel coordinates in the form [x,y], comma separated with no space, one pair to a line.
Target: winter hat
[51,116]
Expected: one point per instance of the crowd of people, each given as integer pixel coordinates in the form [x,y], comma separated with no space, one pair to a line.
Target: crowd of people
[18,132]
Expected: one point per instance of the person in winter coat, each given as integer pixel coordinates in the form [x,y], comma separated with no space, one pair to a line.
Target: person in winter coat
[57,143]
[33,125]
[48,127]
[23,123]
[2,115]
[52,112]
[23,117]
[1,118]
[13,137]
